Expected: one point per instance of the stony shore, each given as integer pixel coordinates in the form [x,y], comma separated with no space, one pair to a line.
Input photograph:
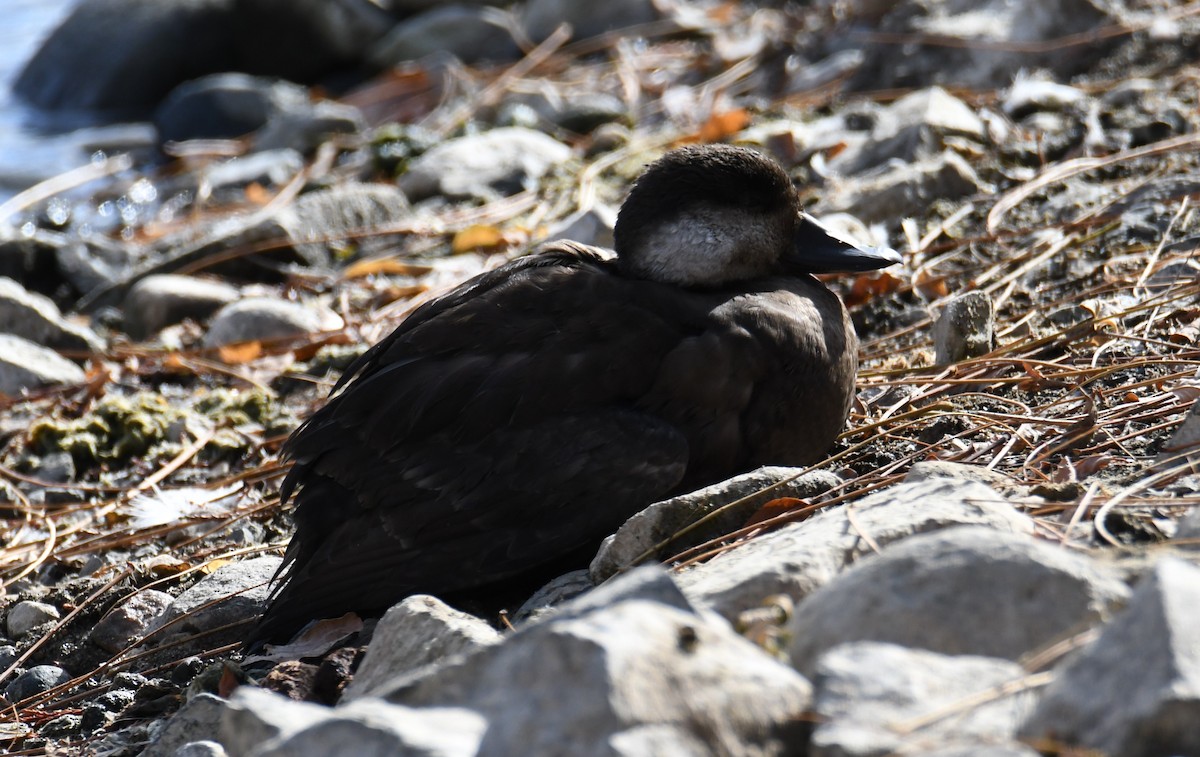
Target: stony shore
[998,558]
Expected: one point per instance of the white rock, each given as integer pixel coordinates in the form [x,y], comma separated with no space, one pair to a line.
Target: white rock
[1135,691]
[128,620]
[901,188]
[35,317]
[25,365]
[964,329]
[866,691]
[25,616]
[421,630]
[799,558]
[263,318]
[233,592]
[965,590]
[164,299]
[196,720]
[488,165]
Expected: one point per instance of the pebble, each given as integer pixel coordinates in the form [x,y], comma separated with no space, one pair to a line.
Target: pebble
[541,17]
[35,317]
[472,34]
[161,300]
[486,166]
[264,318]
[900,189]
[25,616]
[964,329]
[34,681]
[123,624]
[234,592]
[25,365]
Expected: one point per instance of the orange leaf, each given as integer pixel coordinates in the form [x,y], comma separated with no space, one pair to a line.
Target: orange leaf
[477,237]
[385,266]
[725,124]
[242,352]
[868,286]
[213,565]
[931,286]
[257,194]
[774,508]
[229,681]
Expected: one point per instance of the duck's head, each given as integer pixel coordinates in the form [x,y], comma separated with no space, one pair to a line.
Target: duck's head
[711,215]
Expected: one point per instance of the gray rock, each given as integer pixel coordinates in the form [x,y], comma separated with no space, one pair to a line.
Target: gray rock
[594,677]
[128,54]
[865,692]
[1136,690]
[901,189]
[94,264]
[305,128]
[592,226]
[29,258]
[337,223]
[913,128]
[373,727]
[8,655]
[234,592]
[165,299]
[123,624]
[34,681]
[800,557]
[25,365]
[201,749]
[556,591]
[264,318]
[254,716]
[966,590]
[227,181]
[35,317]
[541,17]
[649,583]
[925,470]
[1184,444]
[25,616]
[197,721]
[964,329]
[63,726]
[736,500]
[486,166]
[421,630]
[471,34]
[1028,95]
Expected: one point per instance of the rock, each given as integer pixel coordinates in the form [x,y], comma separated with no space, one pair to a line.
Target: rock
[29,259]
[925,470]
[993,39]
[901,189]
[558,590]
[471,34]
[865,691]
[1136,689]
[592,226]
[580,112]
[35,317]
[165,299]
[798,558]
[95,263]
[639,671]
[8,655]
[541,17]
[63,726]
[421,630]
[1184,444]
[279,114]
[25,365]
[374,727]
[34,681]
[965,329]
[340,223]
[253,716]
[227,181]
[123,624]
[201,749]
[913,128]
[263,318]
[966,590]
[128,54]
[234,592]
[25,616]
[197,720]
[1029,95]
[736,500]
[488,165]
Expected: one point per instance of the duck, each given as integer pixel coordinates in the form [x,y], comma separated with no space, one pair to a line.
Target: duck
[526,414]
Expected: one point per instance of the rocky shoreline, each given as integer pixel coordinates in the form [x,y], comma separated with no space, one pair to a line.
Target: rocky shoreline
[998,557]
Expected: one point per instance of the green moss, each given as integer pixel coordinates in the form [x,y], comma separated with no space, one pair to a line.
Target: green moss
[117,429]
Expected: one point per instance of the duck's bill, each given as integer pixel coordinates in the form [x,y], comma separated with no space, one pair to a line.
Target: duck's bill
[817,249]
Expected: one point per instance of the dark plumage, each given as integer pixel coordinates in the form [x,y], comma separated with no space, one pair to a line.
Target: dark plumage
[529,412]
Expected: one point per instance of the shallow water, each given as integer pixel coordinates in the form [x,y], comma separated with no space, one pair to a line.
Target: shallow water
[29,152]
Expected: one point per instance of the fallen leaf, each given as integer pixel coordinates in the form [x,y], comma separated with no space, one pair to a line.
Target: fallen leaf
[722,125]
[230,680]
[241,352]
[383,266]
[868,286]
[774,508]
[931,286]
[213,566]
[257,193]
[314,641]
[477,237]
